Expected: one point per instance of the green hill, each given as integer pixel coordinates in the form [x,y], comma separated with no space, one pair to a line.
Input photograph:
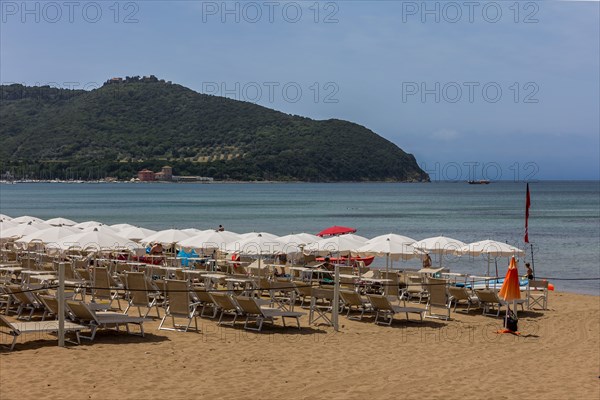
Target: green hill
[136,123]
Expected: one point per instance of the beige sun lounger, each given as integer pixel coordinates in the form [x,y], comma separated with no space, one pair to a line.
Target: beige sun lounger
[353,299]
[438,298]
[16,329]
[250,308]
[105,319]
[459,294]
[386,310]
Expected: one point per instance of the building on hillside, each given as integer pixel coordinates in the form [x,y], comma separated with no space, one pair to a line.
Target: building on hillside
[146,175]
[165,174]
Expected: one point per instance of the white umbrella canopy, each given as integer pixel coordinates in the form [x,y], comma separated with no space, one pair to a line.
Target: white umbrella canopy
[299,238]
[61,222]
[96,240]
[120,227]
[209,240]
[18,231]
[491,248]
[166,237]
[264,235]
[194,231]
[101,228]
[88,224]
[135,233]
[48,235]
[7,224]
[4,217]
[392,245]
[25,219]
[342,244]
[259,245]
[439,245]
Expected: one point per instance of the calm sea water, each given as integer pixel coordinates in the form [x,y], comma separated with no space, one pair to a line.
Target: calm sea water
[564,216]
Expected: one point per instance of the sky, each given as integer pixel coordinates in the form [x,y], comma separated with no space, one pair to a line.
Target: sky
[474,90]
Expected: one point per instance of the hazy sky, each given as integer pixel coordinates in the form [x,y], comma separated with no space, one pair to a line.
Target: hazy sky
[507,89]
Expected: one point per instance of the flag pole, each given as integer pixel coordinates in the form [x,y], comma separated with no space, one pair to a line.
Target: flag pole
[532,263]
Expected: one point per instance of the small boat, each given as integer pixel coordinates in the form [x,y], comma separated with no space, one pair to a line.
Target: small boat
[479,182]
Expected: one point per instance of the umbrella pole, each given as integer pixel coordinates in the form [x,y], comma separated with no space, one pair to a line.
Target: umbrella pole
[387,272]
[61,304]
[336,297]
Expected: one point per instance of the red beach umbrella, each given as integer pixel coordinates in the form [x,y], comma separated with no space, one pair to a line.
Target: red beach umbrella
[336,230]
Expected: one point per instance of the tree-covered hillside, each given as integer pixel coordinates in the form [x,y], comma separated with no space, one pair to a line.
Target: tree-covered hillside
[125,126]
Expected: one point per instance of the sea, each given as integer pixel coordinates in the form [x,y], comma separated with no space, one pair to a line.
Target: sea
[564,220]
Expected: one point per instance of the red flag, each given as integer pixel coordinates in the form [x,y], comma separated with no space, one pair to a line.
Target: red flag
[527,205]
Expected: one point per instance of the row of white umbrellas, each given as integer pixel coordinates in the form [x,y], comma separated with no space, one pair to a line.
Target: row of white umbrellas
[62,233]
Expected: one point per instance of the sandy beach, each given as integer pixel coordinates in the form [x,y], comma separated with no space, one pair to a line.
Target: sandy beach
[557,356]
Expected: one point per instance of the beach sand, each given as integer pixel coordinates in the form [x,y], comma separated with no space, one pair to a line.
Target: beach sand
[556,357]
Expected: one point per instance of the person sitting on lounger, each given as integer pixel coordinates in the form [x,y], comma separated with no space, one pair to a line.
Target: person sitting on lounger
[156,249]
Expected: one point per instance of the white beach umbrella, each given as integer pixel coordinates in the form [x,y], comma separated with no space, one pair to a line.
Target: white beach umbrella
[61,222]
[6,224]
[491,248]
[392,245]
[4,217]
[135,233]
[96,240]
[342,244]
[48,235]
[194,231]
[18,231]
[88,224]
[264,235]
[101,228]
[439,245]
[209,240]
[120,227]
[166,237]
[25,219]
[257,245]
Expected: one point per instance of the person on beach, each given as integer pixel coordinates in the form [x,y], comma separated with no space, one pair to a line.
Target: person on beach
[427,261]
[221,229]
[156,249]
[529,273]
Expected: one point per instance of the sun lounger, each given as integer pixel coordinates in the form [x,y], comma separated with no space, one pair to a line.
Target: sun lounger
[386,310]
[438,298]
[459,294]
[140,295]
[490,301]
[250,308]
[16,329]
[353,299]
[180,306]
[25,299]
[104,319]
[226,305]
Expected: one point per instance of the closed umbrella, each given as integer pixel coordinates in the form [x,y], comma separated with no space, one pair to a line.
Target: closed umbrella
[510,290]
